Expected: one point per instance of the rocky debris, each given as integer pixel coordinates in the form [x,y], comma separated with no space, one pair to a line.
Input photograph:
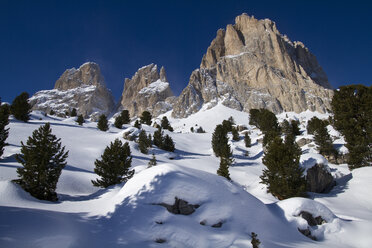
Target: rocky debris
[319,179]
[83,88]
[307,233]
[337,159]
[217,225]
[131,133]
[241,128]
[251,65]
[311,221]
[303,141]
[147,90]
[180,207]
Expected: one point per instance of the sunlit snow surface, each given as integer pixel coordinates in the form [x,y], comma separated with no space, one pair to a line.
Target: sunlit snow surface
[127,215]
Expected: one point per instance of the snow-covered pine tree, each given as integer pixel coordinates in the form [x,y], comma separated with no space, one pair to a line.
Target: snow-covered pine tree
[102,123]
[114,165]
[20,107]
[43,159]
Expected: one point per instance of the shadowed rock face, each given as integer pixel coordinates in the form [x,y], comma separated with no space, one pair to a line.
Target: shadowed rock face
[251,65]
[147,90]
[83,89]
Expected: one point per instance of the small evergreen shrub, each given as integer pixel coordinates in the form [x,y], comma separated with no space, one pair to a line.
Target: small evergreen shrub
[102,123]
[20,107]
[80,120]
[146,118]
[247,140]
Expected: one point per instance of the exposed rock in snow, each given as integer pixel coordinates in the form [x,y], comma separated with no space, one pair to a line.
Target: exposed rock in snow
[319,179]
[251,65]
[147,90]
[83,89]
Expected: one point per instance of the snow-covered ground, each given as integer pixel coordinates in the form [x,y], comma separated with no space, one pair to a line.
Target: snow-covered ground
[128,215]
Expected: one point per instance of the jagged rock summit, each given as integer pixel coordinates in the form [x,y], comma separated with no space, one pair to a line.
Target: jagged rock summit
[147,90]
[251,65]
[83,88]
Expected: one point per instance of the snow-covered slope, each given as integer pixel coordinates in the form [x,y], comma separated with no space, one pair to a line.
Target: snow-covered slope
[128,215]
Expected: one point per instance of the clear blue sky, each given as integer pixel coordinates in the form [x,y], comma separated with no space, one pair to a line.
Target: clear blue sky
[41,39]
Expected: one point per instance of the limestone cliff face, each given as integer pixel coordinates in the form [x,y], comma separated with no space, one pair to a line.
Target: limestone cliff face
[251,65]
[83,88]
[147,90]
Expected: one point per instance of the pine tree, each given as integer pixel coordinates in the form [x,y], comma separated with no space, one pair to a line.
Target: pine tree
[235,134]
[149,140]
[113,168]
[20,107]
[255,241]
[192,129]
[227,125]
[137,124]
[80,120]
[352,110]
[295,127]
[165,124]
[146,118]
[324,142]
[269,136]
[118,122]
[143,142]
[314,124]
[4,121]
[219,140]
[52,112]
[73,112]
[283,175]
[102,123]
[158,138]
[43,159]
[125,116]
[168,144]
[223,170]
[286,128]
[152,161]
[247,140]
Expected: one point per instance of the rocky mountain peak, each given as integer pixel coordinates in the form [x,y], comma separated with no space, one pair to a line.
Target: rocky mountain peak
[83,88]
[251,65]
[148,90]
[87,74]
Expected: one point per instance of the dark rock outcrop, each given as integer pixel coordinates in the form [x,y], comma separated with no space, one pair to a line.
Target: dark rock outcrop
[319,180]
[180,207]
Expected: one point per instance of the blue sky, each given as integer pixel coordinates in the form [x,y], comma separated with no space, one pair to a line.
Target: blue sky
[41,39]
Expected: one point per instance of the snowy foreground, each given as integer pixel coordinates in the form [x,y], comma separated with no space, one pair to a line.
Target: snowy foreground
[129,215]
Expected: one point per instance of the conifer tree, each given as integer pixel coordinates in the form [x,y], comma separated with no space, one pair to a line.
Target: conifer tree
[219,140]
[323,141]
[286,128]
[73,112]
[227,125]
[20,107]
[235,134]
[52,112]
[149,140]
[43,159]
[295,127]
[80,120]
[165,124]
[137,124]
[352,110]
[168,144]
[247,140]
[158,138]
[102,123]
[143,142]
[152,161]
[255,241]
[118,123]
[146,118]
[283,175]
[314,124]
[4,121]
[223,170]
[125,116]
[114,165]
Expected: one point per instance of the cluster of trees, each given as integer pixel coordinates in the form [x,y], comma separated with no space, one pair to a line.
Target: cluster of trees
[122,119]
[352,111]
[322,138]
[267,122]
[163,142]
